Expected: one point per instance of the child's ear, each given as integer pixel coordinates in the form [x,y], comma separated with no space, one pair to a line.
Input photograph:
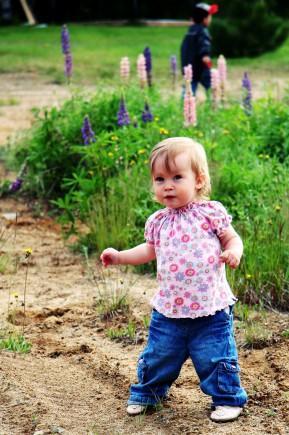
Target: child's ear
[200,180]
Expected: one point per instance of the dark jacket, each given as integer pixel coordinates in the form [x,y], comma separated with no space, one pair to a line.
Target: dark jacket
[195,45]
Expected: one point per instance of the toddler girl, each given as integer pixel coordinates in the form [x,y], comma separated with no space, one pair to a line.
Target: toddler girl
[191,239]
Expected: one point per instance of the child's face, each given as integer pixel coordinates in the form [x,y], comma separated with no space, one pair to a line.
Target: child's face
[207,20]
[177,187]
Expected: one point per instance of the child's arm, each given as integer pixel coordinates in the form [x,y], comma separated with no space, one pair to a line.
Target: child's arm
[232,247]
[138,255]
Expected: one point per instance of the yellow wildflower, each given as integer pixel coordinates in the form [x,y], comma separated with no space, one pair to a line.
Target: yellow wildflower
[110,154]
[164,131]
[248,276]
[114,138]
[157,118]
[277,207]
[142,151]
[91,173]
[28,252]
[226,131]
[14,295]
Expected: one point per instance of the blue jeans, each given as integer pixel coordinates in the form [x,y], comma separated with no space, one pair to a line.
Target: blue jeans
[208,341]
[205,80]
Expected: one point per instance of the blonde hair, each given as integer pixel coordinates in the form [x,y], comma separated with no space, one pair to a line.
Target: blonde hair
[171,147]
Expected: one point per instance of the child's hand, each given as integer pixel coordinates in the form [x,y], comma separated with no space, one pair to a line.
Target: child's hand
[109,256]
[231,258]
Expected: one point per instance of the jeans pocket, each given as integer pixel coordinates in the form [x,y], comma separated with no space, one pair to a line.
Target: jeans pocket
[228,377]
[141,370]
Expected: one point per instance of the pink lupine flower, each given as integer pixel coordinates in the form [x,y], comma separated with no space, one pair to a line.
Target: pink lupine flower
[188,73]
[141,70]
[215,86]
[124,68]
[190,116]
[222,69]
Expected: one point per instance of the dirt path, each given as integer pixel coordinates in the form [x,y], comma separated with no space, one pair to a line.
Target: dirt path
[75,379]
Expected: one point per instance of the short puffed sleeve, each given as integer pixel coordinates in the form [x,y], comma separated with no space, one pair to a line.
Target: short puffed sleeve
[219,217]
[149,231]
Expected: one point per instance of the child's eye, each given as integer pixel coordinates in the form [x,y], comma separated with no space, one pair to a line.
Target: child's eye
[159,179]
[177,177]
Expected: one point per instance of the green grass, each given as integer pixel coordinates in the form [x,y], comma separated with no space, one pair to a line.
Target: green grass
[15,343]
[97,51]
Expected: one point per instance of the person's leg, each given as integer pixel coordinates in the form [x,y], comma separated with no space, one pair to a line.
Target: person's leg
[194,86]
[161,361]
[214,355]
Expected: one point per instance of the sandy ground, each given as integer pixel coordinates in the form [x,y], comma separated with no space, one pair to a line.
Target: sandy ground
[75,379]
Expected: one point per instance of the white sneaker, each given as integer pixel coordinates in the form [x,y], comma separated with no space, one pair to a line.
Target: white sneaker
[226,413]
[135,409]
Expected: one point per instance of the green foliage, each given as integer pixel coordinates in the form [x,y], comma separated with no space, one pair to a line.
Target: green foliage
[106,185]
[129,331]
[247,29]
[15,343]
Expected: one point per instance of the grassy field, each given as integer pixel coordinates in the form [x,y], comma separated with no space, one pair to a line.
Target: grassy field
[97,51]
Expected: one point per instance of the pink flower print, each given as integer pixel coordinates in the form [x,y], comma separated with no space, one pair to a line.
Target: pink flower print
[179,228]
[159,277]
[194,230]
[205,226]
[179,301]
[200,264]
[211,259]
[185,238]
[158,243]
[223,295]
[190,272]
[187,294]
[175,311]
[182,260]
[162,293]
[172,233]
[173,267]
[171,258]
[207,270]
[175,293]
[204,298]
[210,279]
[195,306]
[172,287]
[188,281]
[168,305]
[215,223]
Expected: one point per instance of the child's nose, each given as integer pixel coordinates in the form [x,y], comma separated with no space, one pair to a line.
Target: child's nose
[169,185]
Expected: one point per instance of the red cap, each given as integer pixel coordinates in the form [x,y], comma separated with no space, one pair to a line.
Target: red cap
[213,9]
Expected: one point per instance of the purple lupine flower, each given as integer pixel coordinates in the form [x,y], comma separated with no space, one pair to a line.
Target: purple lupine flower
[147,116]
[68,66]
[148,59]
[122,114]
[88,134]
[247,94]
[65,40]
[16,185]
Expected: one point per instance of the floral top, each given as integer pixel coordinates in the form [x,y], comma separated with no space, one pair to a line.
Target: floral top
[192,279]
